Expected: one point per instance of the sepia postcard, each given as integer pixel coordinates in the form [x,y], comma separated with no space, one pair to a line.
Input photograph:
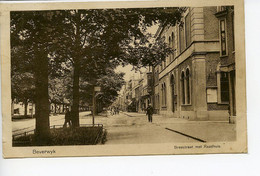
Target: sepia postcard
[123,78]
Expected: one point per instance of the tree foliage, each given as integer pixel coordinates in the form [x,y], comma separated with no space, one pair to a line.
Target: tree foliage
[86,44]
[110,83]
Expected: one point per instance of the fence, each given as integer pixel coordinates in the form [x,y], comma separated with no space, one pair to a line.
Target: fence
[24,134]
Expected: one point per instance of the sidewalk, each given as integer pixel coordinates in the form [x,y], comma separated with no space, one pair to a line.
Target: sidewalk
[209,131]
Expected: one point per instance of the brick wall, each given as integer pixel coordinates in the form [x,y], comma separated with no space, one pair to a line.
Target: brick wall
[211,23]
[212,60]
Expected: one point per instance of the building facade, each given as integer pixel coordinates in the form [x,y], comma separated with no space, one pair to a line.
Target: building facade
[197,81]
[227,70]
[137,93]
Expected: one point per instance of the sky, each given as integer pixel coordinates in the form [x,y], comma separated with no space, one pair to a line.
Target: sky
[129,72]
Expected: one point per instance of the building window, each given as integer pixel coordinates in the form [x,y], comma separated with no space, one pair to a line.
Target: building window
[170,45]
[233,31]
[223,37]
[16,111]
[221,8]
[188,85]
[156,77]
[182,87]
[188,29]
[173,40]
[164,95]
[224,87]
[181,38]
[173,93]
[158,101]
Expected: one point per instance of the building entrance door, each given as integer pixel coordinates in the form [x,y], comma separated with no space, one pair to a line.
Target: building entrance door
[233,89]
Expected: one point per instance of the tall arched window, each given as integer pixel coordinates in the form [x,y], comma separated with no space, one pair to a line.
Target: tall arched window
[173,93]
[165,97]
[173,40]
[170,45]
[183,87]
[188,85]
[162,95]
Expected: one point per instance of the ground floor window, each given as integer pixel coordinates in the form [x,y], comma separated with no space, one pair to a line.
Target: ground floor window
[188,85]
[183,87]
[164,99]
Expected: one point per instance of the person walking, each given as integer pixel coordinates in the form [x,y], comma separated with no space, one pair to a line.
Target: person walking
[67,118]
[149,112]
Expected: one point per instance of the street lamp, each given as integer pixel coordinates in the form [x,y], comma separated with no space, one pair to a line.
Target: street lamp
[96,89]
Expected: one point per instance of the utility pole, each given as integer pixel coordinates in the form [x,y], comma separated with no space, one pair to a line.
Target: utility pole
[96,89]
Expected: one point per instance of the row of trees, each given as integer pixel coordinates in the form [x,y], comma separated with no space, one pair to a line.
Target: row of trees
[68,52]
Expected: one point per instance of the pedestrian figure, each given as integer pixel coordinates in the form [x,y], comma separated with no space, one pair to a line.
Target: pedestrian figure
[149,112]
[229,114]
[68,118]
[117,110]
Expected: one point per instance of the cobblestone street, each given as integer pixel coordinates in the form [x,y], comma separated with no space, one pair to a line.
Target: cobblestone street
[134,128]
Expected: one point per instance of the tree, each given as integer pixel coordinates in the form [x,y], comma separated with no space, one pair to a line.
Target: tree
[110,83]
[32,33]
[90,40]
[94,40]
[22,79]
[23,88]
[60,84]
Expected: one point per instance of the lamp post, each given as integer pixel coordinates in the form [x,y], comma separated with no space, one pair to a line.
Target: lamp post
[96,89]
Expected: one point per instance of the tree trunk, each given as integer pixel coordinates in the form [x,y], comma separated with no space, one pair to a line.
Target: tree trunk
[75,104]
[25,107]
[42,101]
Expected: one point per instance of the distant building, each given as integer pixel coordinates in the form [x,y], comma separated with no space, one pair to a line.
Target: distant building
[20,109]
[137,92]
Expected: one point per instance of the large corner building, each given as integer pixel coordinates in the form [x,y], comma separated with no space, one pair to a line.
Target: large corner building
[197,81]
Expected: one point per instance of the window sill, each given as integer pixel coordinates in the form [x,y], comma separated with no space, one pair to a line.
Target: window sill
[223,56]
[223,103]
[186,104]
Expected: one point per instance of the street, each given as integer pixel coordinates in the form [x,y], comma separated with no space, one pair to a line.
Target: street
[134,128]
[23,125]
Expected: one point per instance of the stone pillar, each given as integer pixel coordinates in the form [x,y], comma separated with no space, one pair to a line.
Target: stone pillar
[168,95]
[199,87]
[177,89]
[197,24]
[171,93]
